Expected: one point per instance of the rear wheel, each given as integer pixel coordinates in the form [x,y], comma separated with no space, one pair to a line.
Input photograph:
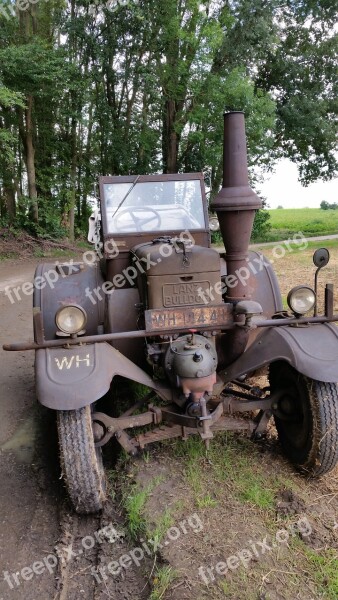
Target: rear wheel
[307,419]
[81,462]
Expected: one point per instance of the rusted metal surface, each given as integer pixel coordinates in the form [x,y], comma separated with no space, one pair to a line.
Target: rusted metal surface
[68,285]
[166,433]
[107,337]
[236,204]
[122,315]
[329,300]
[39,332]
[127,443]
[312,351]
[189,317]
[68,379]
[181,425]
[232,404]
[112,425]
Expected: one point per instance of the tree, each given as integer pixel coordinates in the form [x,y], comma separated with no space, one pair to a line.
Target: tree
[9,101]
[324,205]
[141,87]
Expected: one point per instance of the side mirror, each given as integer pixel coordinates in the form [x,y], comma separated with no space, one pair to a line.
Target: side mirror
[213,224]
[321,258]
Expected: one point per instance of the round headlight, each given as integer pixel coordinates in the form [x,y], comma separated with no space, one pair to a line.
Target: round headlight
[301,299]
[71,319]
[213,224]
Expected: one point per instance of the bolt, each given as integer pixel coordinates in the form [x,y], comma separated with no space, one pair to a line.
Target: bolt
[207,346]
[198,356]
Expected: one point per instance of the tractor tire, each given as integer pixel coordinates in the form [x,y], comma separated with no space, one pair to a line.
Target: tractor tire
[306,420]
[81,463]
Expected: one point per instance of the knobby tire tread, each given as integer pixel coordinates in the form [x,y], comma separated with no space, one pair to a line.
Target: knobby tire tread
[81,464]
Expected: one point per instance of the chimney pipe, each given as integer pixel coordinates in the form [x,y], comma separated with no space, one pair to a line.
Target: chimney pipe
[235,206]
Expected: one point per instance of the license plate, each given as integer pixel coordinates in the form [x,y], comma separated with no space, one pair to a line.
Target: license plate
[183,317]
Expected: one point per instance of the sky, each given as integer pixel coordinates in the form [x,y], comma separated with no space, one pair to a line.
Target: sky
[283,188]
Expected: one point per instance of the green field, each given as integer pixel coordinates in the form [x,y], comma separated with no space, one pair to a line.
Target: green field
[310,221]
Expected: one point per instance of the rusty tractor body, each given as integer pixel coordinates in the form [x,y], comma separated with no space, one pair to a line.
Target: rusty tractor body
[164,309]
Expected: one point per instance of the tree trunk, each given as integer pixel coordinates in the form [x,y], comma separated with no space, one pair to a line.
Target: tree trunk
[71,214]
[26,134]
[170,138]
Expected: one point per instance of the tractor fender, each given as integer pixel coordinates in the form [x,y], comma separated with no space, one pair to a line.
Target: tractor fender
[312,350]
[56,285]
[71,378]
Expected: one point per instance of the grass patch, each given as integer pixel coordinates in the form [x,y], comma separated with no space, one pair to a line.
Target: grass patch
[134,501]
[310,221]
[163,523]
[8,255]
[324,570]
[225,461]
[162,581]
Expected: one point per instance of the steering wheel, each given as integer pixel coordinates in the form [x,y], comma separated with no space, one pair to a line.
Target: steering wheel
[138,222]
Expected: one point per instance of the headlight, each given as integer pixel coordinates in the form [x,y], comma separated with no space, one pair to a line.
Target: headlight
[213,224]
[301,299]
[71,319]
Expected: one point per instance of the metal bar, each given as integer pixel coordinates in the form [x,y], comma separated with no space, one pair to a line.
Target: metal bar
[138,404]
[166,432]
[315,308]
[38,325]
[293,320]
[232,392]
[329,300]
[93,339]
[106,337]
[233,405]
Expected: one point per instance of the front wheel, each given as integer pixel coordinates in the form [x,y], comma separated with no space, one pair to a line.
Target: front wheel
[81,462]
[306,419]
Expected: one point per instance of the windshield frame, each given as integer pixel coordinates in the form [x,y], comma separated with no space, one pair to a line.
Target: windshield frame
[148,179]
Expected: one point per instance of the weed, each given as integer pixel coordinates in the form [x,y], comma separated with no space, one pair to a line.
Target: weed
[164,523]
[324,570]
[134,502]
[163,579]
[206,502]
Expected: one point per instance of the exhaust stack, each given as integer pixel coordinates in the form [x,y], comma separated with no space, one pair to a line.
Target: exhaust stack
[236,203]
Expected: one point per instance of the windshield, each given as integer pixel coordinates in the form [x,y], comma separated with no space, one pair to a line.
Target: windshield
[154,206]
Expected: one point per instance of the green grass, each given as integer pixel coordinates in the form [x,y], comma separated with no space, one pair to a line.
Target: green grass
[163,523]
[310,221]
[324,570]
[134,501]
[163,579]
[225,461]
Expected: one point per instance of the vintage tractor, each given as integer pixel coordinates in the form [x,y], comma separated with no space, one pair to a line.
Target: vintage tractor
[164,309]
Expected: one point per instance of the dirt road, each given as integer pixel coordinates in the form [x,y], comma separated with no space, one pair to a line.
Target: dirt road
[46,551]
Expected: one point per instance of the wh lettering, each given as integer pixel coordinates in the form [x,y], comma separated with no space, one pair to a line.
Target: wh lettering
[73,361]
